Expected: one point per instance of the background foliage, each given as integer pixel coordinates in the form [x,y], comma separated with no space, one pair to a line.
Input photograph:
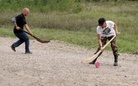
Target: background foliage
[75,16]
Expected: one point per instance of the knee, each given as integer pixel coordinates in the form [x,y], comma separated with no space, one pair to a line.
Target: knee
[26,39]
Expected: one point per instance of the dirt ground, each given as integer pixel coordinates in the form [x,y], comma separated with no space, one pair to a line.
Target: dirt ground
[59,64]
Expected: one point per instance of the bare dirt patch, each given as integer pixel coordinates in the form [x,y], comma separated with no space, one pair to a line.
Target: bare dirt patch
[59,64]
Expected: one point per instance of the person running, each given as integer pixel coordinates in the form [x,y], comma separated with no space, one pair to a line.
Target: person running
[106,30]
[19,24]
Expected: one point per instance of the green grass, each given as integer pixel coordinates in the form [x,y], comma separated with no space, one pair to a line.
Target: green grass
[83,38]
[78,27]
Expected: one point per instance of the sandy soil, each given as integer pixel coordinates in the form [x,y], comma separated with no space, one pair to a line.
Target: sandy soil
[59,64]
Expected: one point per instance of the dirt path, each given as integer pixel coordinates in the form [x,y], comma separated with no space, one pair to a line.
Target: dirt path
[59,64]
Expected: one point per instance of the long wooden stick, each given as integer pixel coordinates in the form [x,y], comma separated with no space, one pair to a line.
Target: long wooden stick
[40,40]
[96,55]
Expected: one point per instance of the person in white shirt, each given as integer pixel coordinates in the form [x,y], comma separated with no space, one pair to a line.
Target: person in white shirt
[106,30]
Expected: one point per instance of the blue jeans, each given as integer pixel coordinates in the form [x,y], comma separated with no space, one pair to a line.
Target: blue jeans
[22,38]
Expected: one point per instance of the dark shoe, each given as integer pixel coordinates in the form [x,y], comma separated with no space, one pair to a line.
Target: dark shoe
[28,52]
[92,62]
[116,58]
[13,48]
[115,64]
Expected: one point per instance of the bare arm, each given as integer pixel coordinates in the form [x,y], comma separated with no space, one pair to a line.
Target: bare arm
[14,22]
[99,41]
[116,29]
[28,29]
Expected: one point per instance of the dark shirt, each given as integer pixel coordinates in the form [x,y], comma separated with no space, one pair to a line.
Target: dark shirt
[20,21]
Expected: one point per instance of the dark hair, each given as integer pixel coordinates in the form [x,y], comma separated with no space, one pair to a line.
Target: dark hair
[101,21]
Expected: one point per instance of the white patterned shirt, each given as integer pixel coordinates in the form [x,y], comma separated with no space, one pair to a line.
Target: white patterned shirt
[108,30]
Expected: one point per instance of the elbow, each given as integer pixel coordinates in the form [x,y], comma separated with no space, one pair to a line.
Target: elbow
[14,20]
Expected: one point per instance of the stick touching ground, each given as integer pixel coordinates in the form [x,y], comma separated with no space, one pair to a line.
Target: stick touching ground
[96,55]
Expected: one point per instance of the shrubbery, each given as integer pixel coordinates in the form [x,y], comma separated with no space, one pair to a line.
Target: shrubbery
[49,5]
[70,14]
[41,5]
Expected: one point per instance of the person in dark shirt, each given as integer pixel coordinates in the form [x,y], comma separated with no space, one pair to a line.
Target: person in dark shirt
[19,24]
